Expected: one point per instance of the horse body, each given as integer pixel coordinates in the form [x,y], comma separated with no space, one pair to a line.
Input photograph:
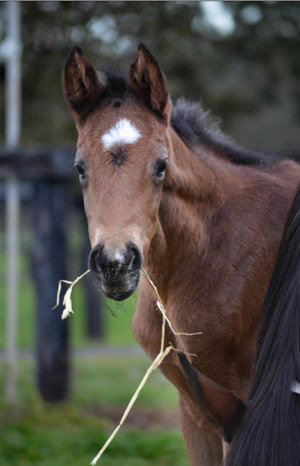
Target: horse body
[224,251]
[266,429]
[216,282]
[206,228]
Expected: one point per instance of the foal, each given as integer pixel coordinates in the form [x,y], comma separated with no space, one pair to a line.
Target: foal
[204,218]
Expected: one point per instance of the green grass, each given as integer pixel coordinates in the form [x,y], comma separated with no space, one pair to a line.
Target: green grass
[26,314]
[114,380]
[102,381]
[117,317]
[35,433]
[73,440]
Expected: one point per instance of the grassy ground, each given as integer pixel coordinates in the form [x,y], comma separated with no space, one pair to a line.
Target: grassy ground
[117,317]
[35,433]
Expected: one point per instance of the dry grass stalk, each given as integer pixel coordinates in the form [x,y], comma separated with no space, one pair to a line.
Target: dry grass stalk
[163,310]
[67,301]
[157,361]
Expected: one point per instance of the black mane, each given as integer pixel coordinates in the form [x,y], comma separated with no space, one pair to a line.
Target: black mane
[193,125]
[196,127]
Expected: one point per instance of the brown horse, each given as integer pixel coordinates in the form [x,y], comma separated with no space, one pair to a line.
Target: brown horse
[165,190]
[266,429]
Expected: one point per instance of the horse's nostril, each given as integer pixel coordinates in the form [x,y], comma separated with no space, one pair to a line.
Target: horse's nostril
[115,266]
[134,257]
[96,258]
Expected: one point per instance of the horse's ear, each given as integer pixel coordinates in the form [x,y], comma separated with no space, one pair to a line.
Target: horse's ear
[82,87]
[221,406]
[147,78]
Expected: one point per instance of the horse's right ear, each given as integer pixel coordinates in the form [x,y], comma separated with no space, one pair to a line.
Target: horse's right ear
[222,407]
[82,87]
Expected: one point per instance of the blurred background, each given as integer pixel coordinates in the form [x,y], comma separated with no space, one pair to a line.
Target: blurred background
[64,385]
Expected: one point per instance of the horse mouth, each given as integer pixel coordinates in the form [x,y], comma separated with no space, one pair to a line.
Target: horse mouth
[118,290]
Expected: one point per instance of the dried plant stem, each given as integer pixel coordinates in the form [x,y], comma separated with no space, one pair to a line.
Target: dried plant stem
[67,301]
[163,310]
[157,361]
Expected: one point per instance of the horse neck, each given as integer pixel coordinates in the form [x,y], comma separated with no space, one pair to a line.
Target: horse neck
[193,192]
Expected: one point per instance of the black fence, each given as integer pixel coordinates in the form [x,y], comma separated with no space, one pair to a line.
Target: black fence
[45,179]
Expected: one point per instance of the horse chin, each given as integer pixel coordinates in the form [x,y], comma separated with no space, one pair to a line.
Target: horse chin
[119,291]
[119,296]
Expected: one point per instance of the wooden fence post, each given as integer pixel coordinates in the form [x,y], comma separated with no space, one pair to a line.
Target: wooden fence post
[49,266]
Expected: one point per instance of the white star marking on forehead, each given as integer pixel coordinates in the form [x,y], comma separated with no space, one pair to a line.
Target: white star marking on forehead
[122,133]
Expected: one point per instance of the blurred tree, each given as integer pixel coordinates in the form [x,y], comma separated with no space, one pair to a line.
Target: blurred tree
[248,74]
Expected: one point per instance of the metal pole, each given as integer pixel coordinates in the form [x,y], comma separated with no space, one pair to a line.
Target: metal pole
[13,119]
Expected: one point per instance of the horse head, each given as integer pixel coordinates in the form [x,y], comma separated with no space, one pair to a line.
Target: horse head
[122,156]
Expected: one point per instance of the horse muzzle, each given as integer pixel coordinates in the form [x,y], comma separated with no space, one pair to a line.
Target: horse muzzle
[117,271]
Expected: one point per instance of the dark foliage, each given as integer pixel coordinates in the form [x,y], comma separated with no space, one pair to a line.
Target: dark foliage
[253,69]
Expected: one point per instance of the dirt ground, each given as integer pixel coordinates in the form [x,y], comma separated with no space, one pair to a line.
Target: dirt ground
[141,418]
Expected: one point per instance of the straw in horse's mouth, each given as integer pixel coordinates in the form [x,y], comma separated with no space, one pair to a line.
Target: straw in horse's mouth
[67,301]
[164,350]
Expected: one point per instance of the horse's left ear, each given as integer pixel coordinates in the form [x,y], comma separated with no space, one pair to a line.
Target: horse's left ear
[147,78]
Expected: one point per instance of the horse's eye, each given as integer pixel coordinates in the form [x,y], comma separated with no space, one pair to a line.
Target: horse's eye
[81,170]
[160,169]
